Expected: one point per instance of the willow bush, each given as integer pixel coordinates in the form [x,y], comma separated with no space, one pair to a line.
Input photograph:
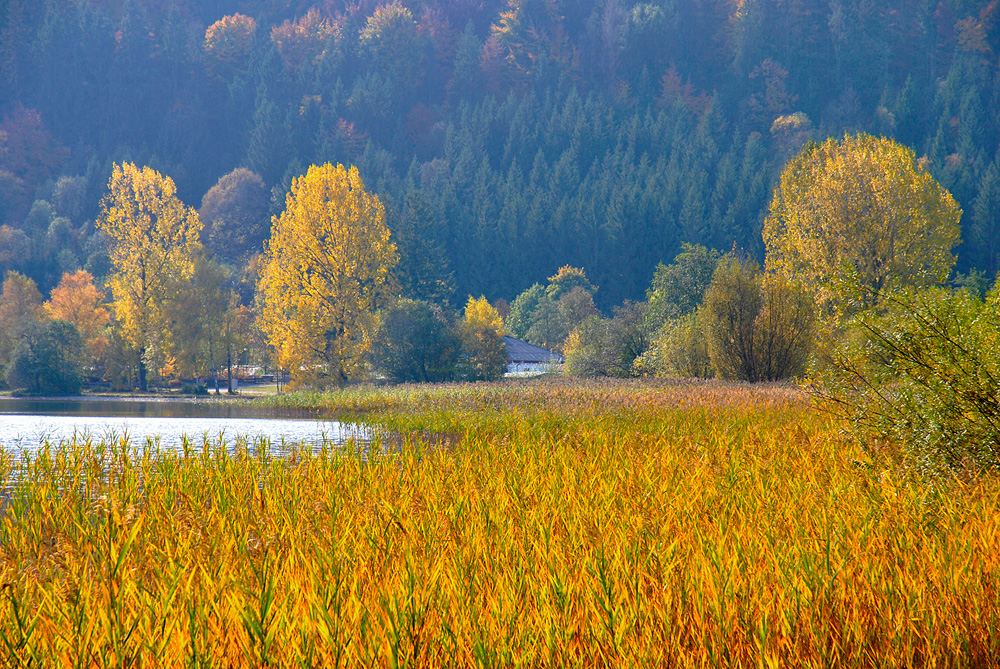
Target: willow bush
[923,371]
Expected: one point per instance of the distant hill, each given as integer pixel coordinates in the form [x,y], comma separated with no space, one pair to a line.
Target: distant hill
[507,138]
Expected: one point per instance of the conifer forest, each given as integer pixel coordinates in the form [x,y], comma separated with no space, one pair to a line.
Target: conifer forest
[506,138]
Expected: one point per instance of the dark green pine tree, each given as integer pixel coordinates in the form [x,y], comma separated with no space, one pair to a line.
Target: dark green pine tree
[464,84]
[267,151]
[983,236]
[423,271]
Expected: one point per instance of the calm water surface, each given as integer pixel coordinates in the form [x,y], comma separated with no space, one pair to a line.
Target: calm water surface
[25,423]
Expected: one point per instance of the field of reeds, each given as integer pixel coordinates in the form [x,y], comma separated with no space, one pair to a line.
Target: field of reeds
[559,523]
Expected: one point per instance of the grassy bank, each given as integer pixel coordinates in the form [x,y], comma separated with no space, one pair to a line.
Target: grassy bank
[537,524]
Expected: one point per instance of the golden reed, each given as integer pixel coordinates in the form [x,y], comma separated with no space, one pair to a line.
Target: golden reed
[625,524]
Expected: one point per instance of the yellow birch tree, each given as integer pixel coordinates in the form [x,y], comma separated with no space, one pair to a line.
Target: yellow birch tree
[154,239]
[326,270]
[484,352]
[852,218]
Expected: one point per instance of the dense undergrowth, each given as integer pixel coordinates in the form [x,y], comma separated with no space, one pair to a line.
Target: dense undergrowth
[556,524]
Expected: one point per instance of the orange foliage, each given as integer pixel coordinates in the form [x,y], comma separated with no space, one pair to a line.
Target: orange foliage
[302,39]
[673,89]
[76,299]
[434,25]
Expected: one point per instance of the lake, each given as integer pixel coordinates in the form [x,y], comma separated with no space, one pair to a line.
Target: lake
[26,423]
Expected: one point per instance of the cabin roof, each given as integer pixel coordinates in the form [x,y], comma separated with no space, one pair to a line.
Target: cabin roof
[522,352]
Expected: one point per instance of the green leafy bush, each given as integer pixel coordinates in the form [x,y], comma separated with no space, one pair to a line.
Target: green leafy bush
[923,371]
[679,349]
[608,346]
[759,327]
[46,360]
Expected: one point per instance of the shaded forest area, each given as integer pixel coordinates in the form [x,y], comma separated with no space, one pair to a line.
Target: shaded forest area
[506,137]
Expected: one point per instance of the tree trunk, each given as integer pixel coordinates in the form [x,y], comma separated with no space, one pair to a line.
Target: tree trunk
[142,370]
[229,367]
[211,357]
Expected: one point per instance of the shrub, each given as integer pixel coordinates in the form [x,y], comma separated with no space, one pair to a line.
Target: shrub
[923,372]
[415,342]
[679,349]
[608,346]
[46,359]
[758,327]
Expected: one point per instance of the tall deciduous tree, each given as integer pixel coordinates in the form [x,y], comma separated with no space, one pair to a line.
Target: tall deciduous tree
[415,342]
[228,42]
[154,241]
[854,217]
[391,40]
[235,213]
[20,305]
[523,309]
[303,39]
[327,268]
[677,289]
[197,317]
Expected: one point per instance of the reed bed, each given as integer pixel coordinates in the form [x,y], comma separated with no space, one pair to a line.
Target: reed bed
[558,524]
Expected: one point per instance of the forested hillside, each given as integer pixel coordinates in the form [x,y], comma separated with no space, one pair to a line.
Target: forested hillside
[506,138]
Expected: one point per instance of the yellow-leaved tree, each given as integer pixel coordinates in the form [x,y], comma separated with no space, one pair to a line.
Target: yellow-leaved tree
[484,353]
[326,270]
[20,305]
[154,238]
[855,217]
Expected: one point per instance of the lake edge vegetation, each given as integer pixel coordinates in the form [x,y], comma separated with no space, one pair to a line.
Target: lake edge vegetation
[669,523]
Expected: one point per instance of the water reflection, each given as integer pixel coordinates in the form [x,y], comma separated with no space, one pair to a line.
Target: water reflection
[26,423]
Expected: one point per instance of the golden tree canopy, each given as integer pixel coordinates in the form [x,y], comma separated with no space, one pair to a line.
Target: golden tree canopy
[483,350]
[479,313]
[154,240]
[303,39]
[566,279]
[327,268]
[852,218]
[20,304]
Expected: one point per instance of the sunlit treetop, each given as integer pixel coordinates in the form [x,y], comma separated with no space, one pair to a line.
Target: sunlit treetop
[76,299]
[480,314]
[566,279]
[230,38]
[855,217]
[304,39]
